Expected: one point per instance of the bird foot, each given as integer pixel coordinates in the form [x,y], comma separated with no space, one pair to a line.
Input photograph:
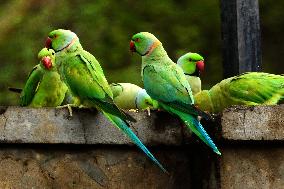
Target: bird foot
[148,111]
[199,118]
[69,106]
[81,107]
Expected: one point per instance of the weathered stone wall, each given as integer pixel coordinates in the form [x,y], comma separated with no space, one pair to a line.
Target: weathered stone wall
[253,123]
[253,147]
[91,167]
[252,166]
[45,148]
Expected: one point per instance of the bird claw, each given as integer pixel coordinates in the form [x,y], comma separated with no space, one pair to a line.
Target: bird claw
[69,107]
[81,106]
[148,111]
[199,118]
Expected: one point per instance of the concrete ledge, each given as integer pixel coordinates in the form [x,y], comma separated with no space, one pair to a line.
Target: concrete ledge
[253,123]
[49,125]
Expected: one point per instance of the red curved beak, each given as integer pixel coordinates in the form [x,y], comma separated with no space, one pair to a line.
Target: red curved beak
[48,43]
[200,65]
[132,46]
[46,61]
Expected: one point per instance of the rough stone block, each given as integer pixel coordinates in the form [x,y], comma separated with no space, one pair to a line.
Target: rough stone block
[49,125]
[252,167]
[96,168]
[253,123]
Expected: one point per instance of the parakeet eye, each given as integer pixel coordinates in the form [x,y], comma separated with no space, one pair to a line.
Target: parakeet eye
[190,59]
[137,40]
[52,53]
[148,103]
[54,36]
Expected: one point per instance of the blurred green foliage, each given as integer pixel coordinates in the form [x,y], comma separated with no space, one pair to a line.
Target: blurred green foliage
[105,28]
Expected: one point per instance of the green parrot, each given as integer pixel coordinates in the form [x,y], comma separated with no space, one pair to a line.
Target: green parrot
[165,82]
[44,87]
[251,88]
[125,96]
[85,79]
[192,64]
[69,99]
[245,89]
[130,96]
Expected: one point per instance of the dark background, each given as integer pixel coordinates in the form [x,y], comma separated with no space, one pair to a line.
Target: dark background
[105,29]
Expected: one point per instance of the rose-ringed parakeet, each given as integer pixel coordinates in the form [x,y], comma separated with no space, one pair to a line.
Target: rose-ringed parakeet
[43,87]
[251,88]
[85,79]
[165,82]
[69,99]
[130,96]
[192,64]
[125,95]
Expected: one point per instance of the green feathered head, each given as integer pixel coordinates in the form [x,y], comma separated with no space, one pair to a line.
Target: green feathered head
[191,64]
[143,43]
[47,58]
[144,101]
[60,39]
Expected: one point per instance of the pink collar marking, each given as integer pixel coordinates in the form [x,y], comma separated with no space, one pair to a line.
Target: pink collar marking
[72,42]
[152,47]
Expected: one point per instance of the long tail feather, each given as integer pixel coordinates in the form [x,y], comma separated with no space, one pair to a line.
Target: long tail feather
[112,108]
[125,128]
[193,124]
[189,109]
[198,129]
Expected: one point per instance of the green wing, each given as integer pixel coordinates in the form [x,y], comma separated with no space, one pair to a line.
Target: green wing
[164,85]
[96,71]
[259,88]
[87,81]
[167,85]
[31,85]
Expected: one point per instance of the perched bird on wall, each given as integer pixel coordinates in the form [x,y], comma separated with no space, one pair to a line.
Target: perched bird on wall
[251,88]
[85,79]
[192,64]
[125,95]
[165,82]
[44,87]
[130,96]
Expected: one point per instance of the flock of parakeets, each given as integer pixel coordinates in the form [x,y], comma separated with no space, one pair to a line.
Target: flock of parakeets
[69,76]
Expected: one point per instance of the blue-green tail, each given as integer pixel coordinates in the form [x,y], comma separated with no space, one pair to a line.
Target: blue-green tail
[125,128]
[198,129]
[193,124]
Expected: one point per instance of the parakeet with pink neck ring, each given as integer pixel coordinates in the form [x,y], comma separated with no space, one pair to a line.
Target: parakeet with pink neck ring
[85,79]
[165,82]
